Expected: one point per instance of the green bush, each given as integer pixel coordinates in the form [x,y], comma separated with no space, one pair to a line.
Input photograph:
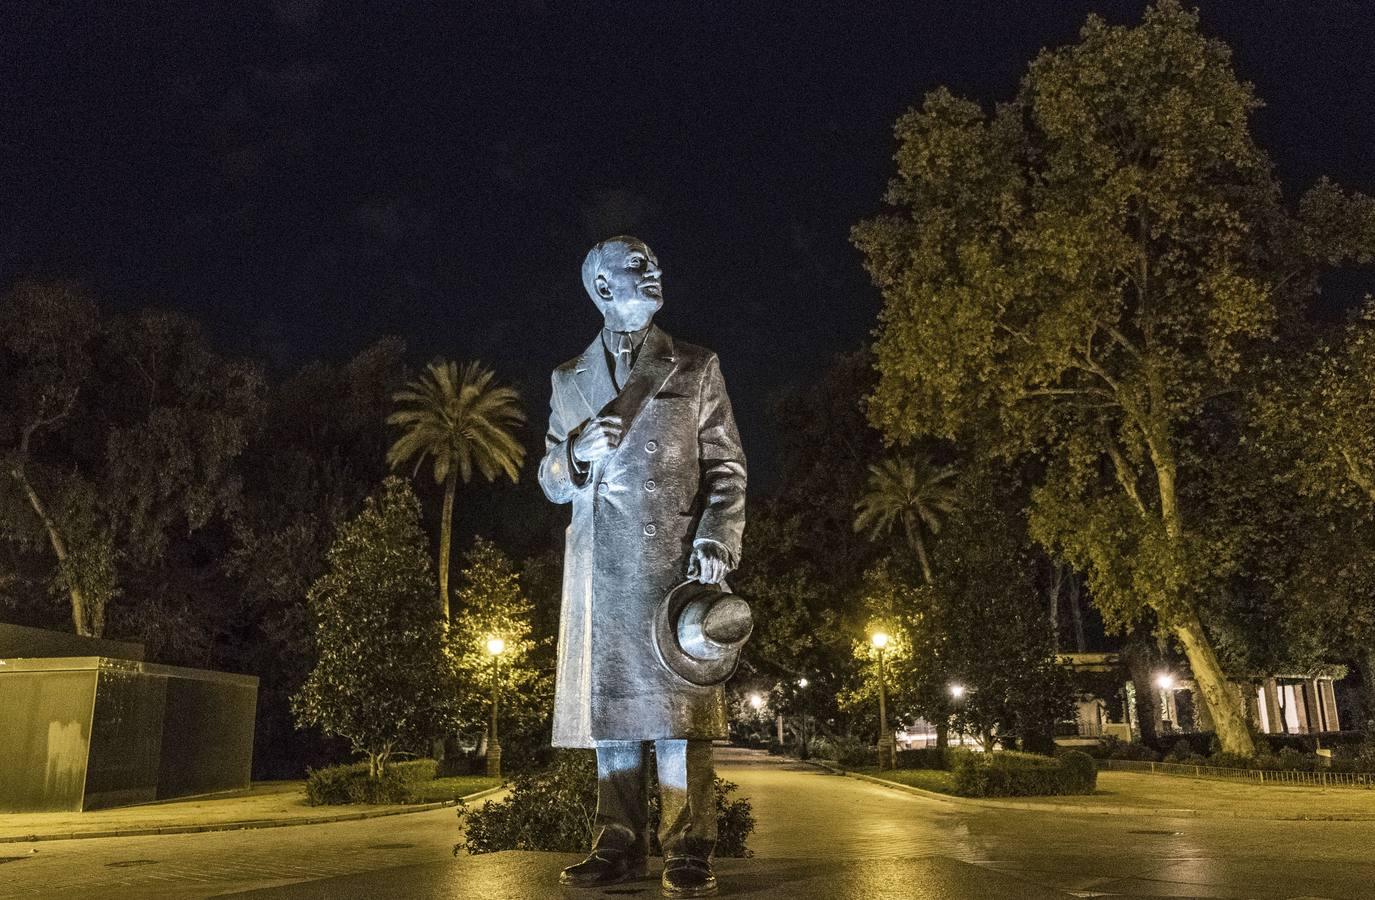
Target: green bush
[1113,747]
[554,810]
[1009,774]
[924,758]
[350,783]
[846,750]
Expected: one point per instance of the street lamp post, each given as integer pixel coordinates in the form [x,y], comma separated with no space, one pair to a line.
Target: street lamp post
[495,647]
[887,749]
[802,725]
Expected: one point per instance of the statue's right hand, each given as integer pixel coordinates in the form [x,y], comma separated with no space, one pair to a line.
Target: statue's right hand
[601,436]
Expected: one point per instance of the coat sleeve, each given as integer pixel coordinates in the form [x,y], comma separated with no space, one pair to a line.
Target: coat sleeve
[723,466]
[558,475]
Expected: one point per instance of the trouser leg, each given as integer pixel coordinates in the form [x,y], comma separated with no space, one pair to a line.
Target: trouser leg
[622,819]
[687,798]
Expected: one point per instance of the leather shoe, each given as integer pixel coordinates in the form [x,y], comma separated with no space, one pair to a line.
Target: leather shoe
[688,876]
[604,866]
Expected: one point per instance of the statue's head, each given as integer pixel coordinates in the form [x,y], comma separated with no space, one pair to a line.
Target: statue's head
[623,278]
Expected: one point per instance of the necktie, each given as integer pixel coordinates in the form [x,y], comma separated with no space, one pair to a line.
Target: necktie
[622,361]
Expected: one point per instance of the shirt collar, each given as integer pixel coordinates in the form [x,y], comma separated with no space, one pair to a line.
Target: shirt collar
[611,340]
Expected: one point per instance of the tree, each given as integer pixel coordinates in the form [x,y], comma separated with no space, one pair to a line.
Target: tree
[1314,414]
[319,452]
[47,360]
[121,435]
[911,491]
[489,603]
[382,679]
[463,421]
[1082,275]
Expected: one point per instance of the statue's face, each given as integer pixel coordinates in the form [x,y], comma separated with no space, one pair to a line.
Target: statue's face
[629,286]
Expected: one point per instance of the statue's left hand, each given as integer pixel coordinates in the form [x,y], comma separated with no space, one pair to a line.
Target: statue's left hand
[708,563]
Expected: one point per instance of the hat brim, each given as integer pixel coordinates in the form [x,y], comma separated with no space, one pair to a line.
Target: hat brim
[700,672]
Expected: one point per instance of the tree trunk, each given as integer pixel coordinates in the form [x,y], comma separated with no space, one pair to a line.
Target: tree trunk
[1224,704]
[1076,612]
[1222,701]
[919,546]
[446,534]
[81,621]
[942,734]
[1056,578]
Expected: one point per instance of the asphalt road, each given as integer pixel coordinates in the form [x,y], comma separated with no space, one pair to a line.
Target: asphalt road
[809,820]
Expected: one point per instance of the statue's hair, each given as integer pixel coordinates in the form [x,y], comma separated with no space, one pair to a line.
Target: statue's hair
[592,263]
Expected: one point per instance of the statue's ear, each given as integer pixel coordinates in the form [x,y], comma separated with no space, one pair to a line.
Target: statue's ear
[603,288]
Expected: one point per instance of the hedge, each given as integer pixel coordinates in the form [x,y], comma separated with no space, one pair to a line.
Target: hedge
[555,810]
[350,783]
[1009,774]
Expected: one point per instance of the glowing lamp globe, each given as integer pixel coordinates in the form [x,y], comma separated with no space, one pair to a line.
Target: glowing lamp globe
[957,691]
[880,640]
[1164,681]
[496,646]
[756,701]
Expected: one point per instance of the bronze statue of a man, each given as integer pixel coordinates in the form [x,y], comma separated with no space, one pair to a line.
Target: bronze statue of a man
[643,443]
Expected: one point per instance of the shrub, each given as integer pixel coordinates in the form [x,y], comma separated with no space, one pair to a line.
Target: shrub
[1080,772]
[1113,747]
[924,758]
[555,809]
[846,750]
[1181,751]
[350,783]
[1233,761]
[1008,774]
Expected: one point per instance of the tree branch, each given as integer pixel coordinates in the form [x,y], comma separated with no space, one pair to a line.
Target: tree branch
[1125,476]
[1363,479]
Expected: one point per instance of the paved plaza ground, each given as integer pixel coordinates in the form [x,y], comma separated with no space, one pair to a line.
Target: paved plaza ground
[819,835]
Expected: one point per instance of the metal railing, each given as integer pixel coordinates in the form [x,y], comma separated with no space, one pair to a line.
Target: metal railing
[1255,776]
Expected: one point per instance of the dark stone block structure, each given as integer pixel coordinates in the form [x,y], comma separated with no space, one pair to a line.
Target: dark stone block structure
[88,732]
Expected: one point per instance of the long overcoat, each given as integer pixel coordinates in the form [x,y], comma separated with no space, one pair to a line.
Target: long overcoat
[678,476]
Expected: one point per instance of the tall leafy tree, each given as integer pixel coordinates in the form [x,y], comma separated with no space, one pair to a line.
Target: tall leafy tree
[122,435]
[383,679]
[1315,413]
[462,421]
[912,492]
[1081,274]
[490,602]
[319,452]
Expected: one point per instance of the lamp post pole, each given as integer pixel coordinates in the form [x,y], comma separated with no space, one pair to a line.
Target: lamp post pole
[495,646]
[887,750]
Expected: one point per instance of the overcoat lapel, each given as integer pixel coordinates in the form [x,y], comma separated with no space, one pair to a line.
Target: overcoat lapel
[592,379]
[653,367]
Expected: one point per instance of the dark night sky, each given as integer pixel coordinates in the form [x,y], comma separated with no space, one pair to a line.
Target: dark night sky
[305,176]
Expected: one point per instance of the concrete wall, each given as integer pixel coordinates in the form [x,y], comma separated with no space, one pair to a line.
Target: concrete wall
[92,732]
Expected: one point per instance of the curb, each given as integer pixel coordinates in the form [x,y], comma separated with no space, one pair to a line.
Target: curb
[246,824]
[1159,812]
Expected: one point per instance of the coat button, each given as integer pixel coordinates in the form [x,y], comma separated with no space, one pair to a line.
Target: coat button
[652,446]
[603,488]
[650,485]
[650,529]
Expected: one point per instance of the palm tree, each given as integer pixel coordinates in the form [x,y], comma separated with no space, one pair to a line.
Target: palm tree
[912,491]
[460,419]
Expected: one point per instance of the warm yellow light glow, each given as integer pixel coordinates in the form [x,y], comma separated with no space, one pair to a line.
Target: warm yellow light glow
[756,701]
[496,646]
[957,691]
[1164,681]
[880,640]
[802,682]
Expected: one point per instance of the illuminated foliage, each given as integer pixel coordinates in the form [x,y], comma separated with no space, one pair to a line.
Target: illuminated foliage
[456,417]
[1079,275]
[382,679]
